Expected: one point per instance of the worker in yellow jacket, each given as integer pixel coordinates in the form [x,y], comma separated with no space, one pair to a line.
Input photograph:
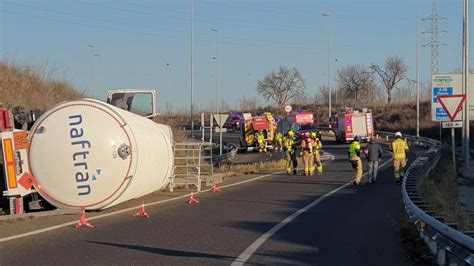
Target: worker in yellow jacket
[318,146]
[307,149]
[261,143]
[399,148]
[290,147]
[354,157]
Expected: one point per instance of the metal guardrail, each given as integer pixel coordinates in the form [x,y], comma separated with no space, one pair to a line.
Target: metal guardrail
[229,154]
[450,246]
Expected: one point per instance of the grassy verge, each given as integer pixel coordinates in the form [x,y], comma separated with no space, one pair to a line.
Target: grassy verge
[414,248]
[253,168]
[439,189]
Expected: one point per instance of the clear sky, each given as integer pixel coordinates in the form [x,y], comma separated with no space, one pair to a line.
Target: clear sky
[136,39]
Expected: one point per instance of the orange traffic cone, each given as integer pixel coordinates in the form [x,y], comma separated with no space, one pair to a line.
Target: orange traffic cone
[142,212]
[192,199]
[214,188]
[83,221]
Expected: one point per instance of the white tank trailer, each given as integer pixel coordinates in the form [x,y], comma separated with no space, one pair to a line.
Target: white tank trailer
[92,155]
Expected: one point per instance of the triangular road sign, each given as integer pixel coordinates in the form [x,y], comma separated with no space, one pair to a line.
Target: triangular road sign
[452,104]
[220,119]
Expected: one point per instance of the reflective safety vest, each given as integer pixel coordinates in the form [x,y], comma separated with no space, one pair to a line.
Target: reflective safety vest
[354,149]
[260,138]
[399,148]
[278,137]
[288,143]
[317,146]
[307,144]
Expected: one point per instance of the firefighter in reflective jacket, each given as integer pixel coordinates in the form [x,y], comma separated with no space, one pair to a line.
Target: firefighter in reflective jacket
[354,157]
[399,148]
[289,146]
[316,151]
[307,148]
[278,142]
[261,141]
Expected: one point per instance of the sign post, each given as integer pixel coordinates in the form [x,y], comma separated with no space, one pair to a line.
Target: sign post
[220,119]
[452,105]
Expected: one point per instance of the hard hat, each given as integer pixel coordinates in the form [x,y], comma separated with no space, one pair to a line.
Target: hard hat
[291,133]
[357,137]
[398,134]
[313,134]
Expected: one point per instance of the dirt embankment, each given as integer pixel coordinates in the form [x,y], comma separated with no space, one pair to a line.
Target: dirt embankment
[32,88]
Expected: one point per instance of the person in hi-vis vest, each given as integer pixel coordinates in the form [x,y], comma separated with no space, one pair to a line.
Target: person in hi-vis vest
[399,148]
[354,157]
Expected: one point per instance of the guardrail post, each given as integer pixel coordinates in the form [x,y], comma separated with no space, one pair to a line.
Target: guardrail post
[441,256]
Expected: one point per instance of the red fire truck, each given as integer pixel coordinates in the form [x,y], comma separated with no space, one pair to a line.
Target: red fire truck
[346,125]
[250,125]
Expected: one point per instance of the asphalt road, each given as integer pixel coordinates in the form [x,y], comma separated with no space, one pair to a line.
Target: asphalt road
[353,226]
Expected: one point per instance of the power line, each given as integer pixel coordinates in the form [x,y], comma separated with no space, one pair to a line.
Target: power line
[434,43]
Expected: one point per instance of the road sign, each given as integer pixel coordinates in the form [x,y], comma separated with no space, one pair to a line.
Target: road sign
[449,84]
[443,85]
[288,108]
[454,124]
[452,104]
[218,129]
[220,119]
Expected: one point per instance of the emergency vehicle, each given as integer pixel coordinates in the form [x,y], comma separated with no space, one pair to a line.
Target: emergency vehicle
[249,126]
[298,122]
[346,125]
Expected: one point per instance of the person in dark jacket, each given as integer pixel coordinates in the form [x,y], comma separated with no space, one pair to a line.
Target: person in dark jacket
[374,153]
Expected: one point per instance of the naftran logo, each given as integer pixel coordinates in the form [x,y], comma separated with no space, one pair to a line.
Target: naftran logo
[80,147]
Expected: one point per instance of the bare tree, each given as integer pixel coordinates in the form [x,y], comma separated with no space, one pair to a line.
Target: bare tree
[281,86]
[353,82]
[391,73]
[248,103]
[322,97]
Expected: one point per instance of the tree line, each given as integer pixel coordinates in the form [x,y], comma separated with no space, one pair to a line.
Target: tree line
[355,85]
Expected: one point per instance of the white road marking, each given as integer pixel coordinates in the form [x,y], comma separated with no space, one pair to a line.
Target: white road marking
[248,252]
[47,229]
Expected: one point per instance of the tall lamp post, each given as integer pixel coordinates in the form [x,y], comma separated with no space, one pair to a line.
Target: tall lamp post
[99,74]
[218,94]
[465,78]
[192,69]
[328,14]
[93,71]
[168,100]
[418,69]
[217,75]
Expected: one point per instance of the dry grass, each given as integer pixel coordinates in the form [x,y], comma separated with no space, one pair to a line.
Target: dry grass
[32,89]
[176,123]
[252,168]
[440,191]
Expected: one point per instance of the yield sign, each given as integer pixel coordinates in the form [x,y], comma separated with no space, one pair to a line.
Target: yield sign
[452,104]
[220,119]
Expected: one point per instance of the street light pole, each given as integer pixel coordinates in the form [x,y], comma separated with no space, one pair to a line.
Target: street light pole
[465,76]
[192,69]
[168,100]
[218,95]
[99,74]
[93,70]
[328,14]
[217,75]
[418,69]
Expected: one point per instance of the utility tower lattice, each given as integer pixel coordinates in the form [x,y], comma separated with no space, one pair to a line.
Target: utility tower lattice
[434,43]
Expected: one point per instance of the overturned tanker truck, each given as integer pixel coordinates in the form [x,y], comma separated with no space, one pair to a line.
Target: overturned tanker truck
[92,155]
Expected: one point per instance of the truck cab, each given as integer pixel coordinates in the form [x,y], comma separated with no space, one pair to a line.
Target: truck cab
[140,102]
